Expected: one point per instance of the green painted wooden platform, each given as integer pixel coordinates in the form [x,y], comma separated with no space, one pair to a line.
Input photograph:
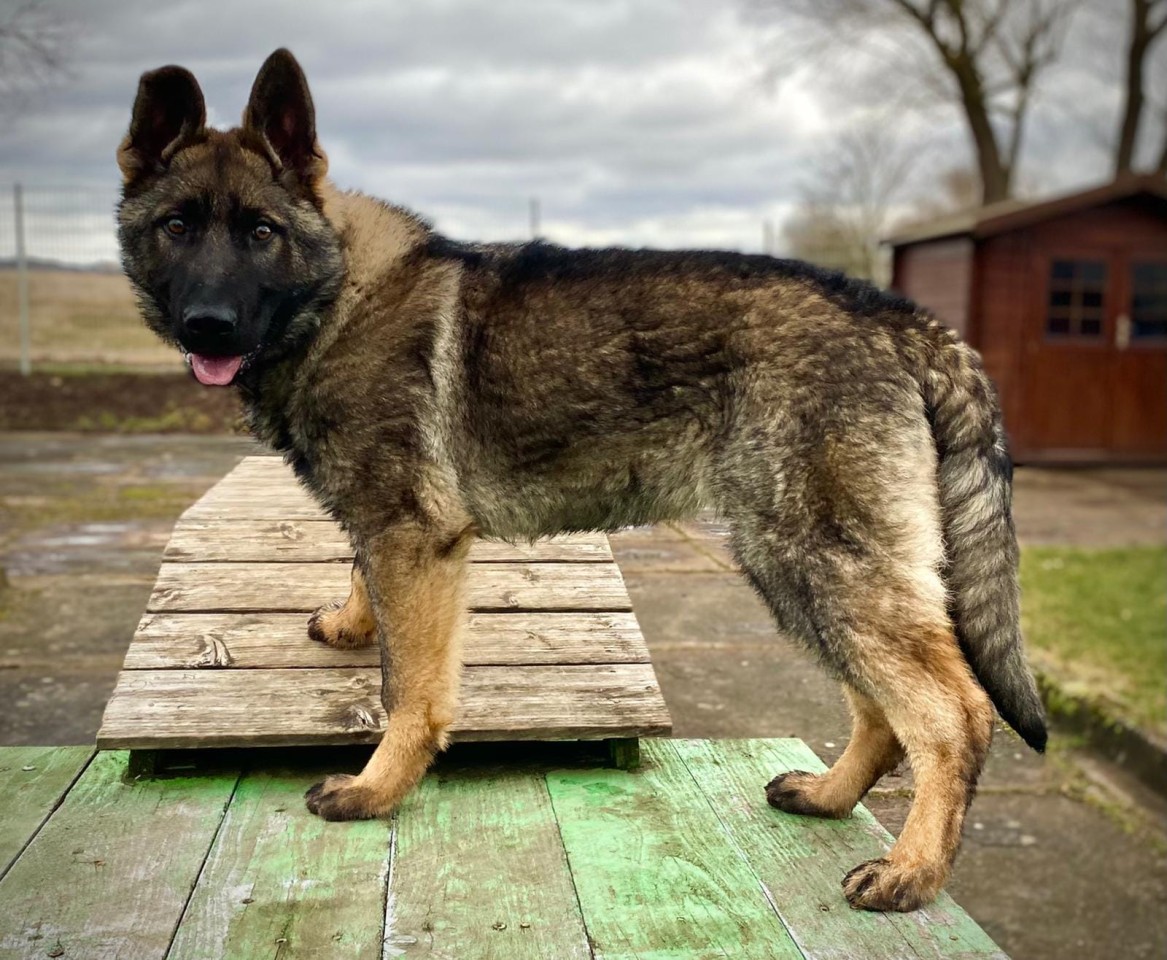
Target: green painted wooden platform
[679,859]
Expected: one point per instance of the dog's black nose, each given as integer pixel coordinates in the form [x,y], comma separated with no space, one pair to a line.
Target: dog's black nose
[207,322]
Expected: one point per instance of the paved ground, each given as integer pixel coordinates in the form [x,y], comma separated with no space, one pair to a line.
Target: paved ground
[1062,858]
[83,521]
[1098,507]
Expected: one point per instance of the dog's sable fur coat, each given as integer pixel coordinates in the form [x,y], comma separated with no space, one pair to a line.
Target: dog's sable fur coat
[429,392]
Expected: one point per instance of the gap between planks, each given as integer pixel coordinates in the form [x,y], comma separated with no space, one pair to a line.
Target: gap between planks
[233,540]
[33,783]
[302,587]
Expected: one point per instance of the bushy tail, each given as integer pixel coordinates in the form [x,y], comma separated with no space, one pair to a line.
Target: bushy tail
[976,494]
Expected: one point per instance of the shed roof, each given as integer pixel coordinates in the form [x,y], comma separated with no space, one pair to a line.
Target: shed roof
[1009,215]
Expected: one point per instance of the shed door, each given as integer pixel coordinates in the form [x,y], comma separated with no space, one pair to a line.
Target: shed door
[1140,375]
[1068,358]
[1096,356]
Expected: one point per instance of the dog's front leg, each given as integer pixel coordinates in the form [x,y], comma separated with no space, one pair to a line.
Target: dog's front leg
[415,577]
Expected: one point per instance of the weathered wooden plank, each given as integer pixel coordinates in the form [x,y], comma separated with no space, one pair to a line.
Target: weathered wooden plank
[312,541]
[480,872]
[655,878]
[802,860]
[262,465]
[32,782]
[187,641]
[281,883]
[288,587]
[108,875]
[242,498]
[255,470]
[174,709]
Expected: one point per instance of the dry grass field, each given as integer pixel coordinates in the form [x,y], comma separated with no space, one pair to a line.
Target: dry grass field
[80,318]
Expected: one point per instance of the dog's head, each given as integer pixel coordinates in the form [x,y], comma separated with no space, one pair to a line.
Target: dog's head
[222,232]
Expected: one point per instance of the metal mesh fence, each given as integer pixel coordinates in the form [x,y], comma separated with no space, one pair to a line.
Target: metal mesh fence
[64,302]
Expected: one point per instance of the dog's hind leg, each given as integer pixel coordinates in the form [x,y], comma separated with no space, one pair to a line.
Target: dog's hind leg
[416,583]
[885,632]
[945,722]
[872,751]
[349,624]
[843,541]
[918,697]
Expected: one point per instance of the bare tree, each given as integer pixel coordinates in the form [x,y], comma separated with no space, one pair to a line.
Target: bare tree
[984,56]
[848,207]
[1147,22]
[957,188]
[33,47]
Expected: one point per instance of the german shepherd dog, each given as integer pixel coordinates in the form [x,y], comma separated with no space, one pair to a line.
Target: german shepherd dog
[429,392]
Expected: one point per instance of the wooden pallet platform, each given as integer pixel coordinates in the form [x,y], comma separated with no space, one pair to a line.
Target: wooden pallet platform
[523,861]
[222,656]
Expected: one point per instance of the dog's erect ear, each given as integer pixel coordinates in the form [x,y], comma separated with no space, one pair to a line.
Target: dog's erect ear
[280,111]
[168,112]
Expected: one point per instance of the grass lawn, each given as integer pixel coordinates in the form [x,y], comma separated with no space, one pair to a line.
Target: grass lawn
[1096,622]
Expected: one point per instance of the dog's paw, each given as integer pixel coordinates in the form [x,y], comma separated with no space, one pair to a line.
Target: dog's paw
[793,792]
[885,886]
[342,797]
[327,625]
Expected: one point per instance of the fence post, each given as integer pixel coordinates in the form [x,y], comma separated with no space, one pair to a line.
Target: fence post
[22,281]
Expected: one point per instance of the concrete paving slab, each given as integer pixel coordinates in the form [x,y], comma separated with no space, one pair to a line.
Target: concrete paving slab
[1102,507]
[1051,877]
[664,550]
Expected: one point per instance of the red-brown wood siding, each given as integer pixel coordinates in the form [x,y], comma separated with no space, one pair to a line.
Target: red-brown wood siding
[1121,224]
[1073,400]
[1001,306]
[937,275]
[1062,399]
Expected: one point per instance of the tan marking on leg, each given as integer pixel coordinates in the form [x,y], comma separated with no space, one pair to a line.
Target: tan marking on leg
[417,588]
[349,625]
[944,721]
[872,752]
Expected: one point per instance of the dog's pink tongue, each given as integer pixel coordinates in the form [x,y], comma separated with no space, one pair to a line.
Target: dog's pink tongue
[215,371]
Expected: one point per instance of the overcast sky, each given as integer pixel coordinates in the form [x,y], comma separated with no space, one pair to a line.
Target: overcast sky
[640,122]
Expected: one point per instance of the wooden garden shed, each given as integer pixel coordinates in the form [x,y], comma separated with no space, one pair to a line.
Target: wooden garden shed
[1067,301]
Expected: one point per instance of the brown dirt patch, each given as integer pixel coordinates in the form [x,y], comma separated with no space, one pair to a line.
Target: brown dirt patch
[116,403]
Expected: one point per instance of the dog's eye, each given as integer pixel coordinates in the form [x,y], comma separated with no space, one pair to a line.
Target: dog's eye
[262,232]
[176,226]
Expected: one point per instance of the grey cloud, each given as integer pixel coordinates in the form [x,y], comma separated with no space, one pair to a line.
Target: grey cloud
[633,120]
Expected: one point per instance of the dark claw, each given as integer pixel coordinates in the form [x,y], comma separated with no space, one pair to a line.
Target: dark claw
[865,882]
[877,885]
[338,798]
[315,631]
[786,793]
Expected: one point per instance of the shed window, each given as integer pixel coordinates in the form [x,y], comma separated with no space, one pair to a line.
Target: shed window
[1149,300]
[1077,290]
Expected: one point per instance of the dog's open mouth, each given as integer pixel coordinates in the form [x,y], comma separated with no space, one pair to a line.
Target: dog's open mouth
[214,371]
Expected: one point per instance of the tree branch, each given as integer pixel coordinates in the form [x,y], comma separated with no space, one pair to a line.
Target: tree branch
[991,55]
[991,26]
[32,46]
[927,19]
